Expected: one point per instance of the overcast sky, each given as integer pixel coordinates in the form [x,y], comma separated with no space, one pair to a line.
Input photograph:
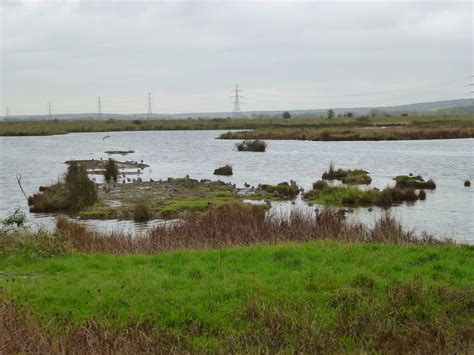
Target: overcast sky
[190,55]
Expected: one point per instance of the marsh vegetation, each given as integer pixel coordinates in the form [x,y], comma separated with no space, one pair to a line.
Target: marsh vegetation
[271,297]
[347,176]
[225,170]
[72,194]
[255,145]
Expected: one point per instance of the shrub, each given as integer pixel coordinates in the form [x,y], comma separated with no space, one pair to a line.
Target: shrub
[255,145]
[225,170]
[111,170]
[320,185]
[79,190]
[74,193]
[142,212]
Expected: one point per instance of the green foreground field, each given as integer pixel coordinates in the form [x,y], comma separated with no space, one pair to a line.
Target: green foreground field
[318,296]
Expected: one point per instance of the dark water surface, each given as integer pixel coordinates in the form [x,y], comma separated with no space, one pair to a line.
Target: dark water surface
[447,211]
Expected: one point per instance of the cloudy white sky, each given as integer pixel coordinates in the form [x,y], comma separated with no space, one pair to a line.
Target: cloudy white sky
[189,55]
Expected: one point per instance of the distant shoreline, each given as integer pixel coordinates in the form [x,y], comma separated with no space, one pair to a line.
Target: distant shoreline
[298,128]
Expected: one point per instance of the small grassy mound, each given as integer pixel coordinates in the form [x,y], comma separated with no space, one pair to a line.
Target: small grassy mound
[281,191]
[414,182]
[76,191]
[347,176]
[343,196]
[255,145]
[352,196]
[225,170]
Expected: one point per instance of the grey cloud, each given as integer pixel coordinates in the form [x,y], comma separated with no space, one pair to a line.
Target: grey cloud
[190,54]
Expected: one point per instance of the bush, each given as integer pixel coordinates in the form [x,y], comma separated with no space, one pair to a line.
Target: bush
[111,170]
[74,193]
[225,170]
[79,190]
[142,212]
[255,145]
[320,185]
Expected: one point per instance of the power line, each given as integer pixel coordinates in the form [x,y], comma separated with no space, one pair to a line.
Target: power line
[236,113]
[150,113]
[99,108]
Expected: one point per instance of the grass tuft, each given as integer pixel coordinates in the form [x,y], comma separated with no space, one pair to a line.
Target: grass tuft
[255,145]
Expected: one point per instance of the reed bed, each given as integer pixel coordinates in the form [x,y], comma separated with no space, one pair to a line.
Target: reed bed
[233,225]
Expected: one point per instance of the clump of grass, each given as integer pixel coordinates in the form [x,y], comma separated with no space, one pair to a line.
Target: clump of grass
[320,185]
[283,190]
[225,170]
[467,183]
[347,176]
[414,182]
[111,171]
[141,212]
[255,145]
[72,194]
[352,196]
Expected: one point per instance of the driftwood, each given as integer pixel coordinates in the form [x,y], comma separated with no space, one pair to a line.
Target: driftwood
[18,179]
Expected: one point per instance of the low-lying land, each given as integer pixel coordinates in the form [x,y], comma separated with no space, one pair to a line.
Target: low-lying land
[391,292]
[119,152]
[98,166]
[417,128]
[347,176]
[413,182]
[352,196]
[281,191]
[303,128]
[162,199]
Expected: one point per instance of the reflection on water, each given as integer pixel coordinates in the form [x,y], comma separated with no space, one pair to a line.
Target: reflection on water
[447,211]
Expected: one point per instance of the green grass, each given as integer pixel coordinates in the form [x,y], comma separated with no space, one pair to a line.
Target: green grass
[343,196]
[195,204]
[286,292]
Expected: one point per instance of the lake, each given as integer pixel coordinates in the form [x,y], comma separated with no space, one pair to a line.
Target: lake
[446,212]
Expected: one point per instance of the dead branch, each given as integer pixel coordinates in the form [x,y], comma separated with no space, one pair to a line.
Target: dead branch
[18,179]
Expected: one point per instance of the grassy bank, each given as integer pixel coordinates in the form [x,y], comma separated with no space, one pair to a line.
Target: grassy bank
[42,128]
[320,296]
[305,284]
[312,127]
[446,128]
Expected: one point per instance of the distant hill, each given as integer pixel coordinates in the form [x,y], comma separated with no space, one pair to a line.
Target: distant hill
[458,106]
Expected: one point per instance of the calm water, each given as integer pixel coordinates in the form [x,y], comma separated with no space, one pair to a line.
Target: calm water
[447,211]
